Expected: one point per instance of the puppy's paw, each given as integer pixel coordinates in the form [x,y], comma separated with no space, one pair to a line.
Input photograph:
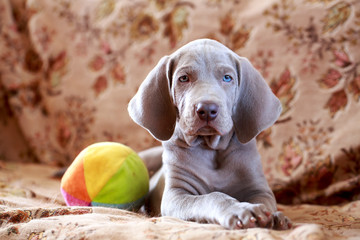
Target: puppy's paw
[247,215]
[280,221]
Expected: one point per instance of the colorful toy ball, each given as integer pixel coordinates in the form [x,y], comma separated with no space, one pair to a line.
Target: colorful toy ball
[106,174]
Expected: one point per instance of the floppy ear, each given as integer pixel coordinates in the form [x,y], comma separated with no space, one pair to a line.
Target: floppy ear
[152,107]
[257,108]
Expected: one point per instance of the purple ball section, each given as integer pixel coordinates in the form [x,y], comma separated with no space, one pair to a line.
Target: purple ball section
[72,201]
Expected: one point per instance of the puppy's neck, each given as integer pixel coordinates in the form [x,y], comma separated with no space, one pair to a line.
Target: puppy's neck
[215,142]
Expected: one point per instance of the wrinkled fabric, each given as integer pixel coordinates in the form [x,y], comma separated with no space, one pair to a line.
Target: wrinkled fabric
[31,207]
[69,68]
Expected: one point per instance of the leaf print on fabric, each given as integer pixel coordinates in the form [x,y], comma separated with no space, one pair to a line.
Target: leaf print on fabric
[320,1]
[265,138]
[118,73]
[63,129]
[281,13]
[143,27]
[341,58]
[27,95]
[336,16]
[316,43]
[104,9]
[283,88]
[353,159]
[100,85]
[227,24]
[262,61]
[352,35]
[330,79]
[240,37]
[337,102]
[57,68]
[176,22]
[80,117]
[307,146]
[354,88]
[32,63]
[346,73]
[305,163]
[97,63]
[290,158]
[302,38]
[72,131]
[83,33]
[162,4]
[236,37]
[147,53]
[313,137]
[5,109]
[321,175]
[44,35]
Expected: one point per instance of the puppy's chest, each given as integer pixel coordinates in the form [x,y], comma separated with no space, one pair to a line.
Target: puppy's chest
[221,174]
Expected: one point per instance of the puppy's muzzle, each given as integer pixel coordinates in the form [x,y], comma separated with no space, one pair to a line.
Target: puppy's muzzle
[207,111]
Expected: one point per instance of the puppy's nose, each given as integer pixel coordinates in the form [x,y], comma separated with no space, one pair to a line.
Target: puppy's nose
[207,111]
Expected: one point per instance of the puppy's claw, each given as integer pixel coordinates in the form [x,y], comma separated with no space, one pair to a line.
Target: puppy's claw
[281,222]
[239,224]
[290,225]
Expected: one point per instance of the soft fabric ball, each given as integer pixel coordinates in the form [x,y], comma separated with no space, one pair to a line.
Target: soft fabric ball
[106,174]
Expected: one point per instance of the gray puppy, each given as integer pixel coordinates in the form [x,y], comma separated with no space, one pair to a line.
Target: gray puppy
[206,104]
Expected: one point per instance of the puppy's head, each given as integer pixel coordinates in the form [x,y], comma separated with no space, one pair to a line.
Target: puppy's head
[204,84]
[208,90]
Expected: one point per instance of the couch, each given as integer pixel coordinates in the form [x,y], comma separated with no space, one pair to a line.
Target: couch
[69,68]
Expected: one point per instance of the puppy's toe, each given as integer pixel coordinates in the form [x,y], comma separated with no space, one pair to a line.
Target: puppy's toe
[251,216]
[262,215]
[241,221]
[234,222]
[281,222]
[248,221]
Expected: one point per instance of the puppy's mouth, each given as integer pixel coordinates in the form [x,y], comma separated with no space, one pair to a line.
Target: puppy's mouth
[207,131]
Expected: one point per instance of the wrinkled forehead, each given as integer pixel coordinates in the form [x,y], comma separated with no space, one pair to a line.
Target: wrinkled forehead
[204,55]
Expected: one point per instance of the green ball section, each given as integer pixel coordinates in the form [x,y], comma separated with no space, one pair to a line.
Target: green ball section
[129,184]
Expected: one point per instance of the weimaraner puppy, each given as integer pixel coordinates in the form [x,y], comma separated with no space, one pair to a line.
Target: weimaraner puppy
[206,104]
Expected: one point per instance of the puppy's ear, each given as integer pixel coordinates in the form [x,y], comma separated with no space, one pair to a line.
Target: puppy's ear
[257,108]
[152,107]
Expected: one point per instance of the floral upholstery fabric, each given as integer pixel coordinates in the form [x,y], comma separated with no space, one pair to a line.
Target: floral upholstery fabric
[69,68]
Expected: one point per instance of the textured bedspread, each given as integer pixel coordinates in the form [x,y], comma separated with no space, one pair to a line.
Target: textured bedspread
[31,207]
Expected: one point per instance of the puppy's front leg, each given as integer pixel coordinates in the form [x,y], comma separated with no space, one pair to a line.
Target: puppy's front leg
[215,207]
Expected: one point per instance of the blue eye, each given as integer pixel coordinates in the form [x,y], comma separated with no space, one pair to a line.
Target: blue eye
[184,78]
[227,78]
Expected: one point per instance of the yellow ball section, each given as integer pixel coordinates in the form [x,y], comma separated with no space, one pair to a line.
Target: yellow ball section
[114,175]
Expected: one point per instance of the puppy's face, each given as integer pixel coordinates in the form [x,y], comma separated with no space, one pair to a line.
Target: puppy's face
[204,87]
[198,87]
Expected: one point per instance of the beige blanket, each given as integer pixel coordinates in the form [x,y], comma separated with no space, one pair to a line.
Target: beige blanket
[31,207]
